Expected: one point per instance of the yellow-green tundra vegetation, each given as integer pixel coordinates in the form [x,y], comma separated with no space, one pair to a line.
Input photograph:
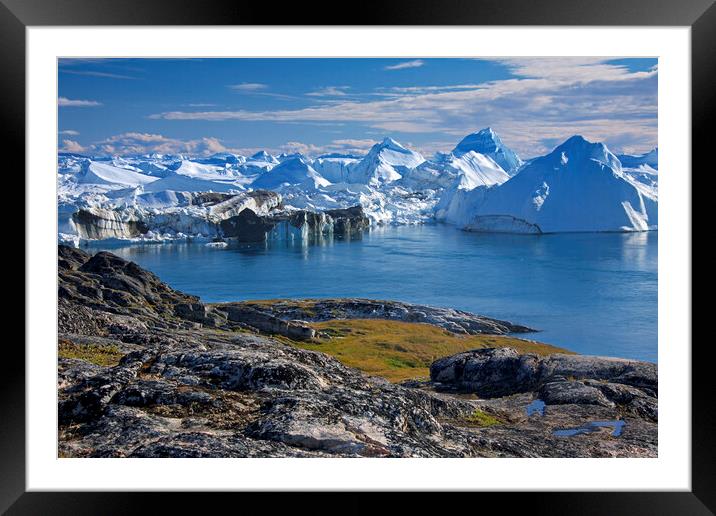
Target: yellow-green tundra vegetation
[399,350]
[101,355]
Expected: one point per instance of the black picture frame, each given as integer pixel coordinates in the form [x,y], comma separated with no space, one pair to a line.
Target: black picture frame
[700,15]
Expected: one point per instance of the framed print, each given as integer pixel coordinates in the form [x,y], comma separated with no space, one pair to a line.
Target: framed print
[429,251]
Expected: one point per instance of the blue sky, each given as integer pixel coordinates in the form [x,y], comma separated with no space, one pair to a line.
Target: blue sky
[315,106]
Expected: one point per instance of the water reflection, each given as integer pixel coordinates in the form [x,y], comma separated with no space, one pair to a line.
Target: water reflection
[592,426]
[536,407]
[634,247]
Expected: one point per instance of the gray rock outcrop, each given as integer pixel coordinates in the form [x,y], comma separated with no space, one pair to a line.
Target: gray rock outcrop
[455,321]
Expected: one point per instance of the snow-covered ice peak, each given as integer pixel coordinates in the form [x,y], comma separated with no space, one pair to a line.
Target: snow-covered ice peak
[109,176]
[222,158]
[442,157]
[449,171]
[390,143]
[650,158]
[264,156]
[386,162]
[575,150]
[286,156]
[294,171]
[334,167]
[487,142]
[483,141]
[338,155]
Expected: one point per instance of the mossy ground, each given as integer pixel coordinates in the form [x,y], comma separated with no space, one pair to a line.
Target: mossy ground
[481,419]
[100,355]
[399,350]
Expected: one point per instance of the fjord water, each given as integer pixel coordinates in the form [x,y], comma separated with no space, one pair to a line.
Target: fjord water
[593,293]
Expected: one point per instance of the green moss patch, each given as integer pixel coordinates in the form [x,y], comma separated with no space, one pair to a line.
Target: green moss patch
[482,419]
[96,354]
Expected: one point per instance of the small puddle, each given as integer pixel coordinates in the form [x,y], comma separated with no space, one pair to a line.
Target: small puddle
[536,407]
[592,426]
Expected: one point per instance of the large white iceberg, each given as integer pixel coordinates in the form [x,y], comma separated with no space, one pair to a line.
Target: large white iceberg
[579,186]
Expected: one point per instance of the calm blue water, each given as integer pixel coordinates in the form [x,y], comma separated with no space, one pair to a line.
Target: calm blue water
[592,426]
[592,293]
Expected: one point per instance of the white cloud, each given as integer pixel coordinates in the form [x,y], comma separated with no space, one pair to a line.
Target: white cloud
[342,146]
[571,69]
[92,73]
[71,146]
[330,91]
[249,86]
[70,132]
[213,145]
[396,90]
[65,102]
[258,89]
[146,143]
[403,126]
[307,149]
[352,144]
[417,63]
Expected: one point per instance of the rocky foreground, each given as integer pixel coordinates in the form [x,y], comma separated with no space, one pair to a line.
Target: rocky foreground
[157,373]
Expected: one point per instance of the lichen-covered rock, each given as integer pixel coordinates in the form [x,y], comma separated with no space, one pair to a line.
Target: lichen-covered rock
[562,392]
[201,313]
[262,320]
[500,372]
[617,370]
[108,283]
[488,372]
[455,321]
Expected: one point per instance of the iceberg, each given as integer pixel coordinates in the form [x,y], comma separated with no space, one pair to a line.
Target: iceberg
[384,163]
[292,172]
[334,168]
[579,186]
[111,177]
[650,159]
[488,143]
